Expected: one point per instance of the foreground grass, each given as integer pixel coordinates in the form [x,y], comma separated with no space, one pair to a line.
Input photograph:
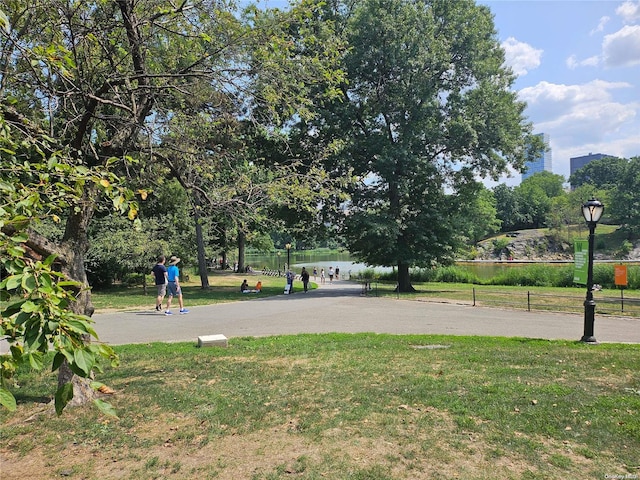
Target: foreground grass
[340,406]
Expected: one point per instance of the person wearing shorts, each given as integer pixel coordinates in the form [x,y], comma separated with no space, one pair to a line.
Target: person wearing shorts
[159,272]
[173,286]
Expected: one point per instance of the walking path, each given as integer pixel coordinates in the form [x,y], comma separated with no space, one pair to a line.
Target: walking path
[340,307]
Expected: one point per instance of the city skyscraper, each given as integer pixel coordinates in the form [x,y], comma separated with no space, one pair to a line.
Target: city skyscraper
[541,162]
[576,163]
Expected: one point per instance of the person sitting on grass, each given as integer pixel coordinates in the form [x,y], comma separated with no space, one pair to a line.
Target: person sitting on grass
[245,286]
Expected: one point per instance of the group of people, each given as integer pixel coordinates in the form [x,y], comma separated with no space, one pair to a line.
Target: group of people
[167,280]
[168,283]
[244,288]
[304,276]
[323,276]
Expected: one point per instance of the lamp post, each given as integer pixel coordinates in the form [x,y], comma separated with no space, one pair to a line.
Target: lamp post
[278,254]
[592,211]
[288,247]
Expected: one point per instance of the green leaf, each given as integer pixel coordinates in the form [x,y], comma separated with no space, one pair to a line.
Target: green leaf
[20,238]
[7,399]
[30,307]
[63,397]
[58,359]
[14,282]
[78,326]
[105,407]
[35,360]
[84,361]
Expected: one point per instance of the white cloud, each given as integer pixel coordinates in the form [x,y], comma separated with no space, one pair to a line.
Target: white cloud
[520,56]
[577,113]
[603,21]
[573,63]
[629,11]
[623,47]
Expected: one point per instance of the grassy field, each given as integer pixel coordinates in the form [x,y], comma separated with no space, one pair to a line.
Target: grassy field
[555,299]
[225,287]
[339,406]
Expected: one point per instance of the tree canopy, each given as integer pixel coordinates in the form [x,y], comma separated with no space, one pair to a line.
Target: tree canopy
[426,110]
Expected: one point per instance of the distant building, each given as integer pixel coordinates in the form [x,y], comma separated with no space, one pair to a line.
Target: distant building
[542,161]
[576,163]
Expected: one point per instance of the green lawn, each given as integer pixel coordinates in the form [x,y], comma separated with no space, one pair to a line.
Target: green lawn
[223,288]
[340,406]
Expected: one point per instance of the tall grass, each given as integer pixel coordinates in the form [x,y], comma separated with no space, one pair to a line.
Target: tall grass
[528,275]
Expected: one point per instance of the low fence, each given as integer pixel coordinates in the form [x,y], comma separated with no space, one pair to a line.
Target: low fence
[606,304]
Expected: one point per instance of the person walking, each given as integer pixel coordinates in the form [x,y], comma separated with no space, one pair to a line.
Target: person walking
[173,286]
[290,277]
[159,272]
[315,273]
[330,274]
[322,276]
[304,276]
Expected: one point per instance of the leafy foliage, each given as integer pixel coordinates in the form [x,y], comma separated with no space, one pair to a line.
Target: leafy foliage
[35,296]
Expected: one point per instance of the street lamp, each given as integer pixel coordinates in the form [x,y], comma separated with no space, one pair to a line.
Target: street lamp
[288,247]
[592,211]
[278,253]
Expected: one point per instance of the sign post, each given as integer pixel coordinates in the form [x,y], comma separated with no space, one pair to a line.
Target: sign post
[581,259]
[620,278]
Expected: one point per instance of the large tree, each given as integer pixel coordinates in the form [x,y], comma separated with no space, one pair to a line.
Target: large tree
[427,108]
[101,78]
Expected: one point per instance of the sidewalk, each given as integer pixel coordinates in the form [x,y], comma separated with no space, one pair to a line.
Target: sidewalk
[339,307]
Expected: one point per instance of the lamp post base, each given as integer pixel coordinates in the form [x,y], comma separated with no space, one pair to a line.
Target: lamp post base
[589,339]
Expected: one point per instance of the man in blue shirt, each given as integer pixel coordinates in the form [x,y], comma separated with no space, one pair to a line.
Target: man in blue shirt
[173,287]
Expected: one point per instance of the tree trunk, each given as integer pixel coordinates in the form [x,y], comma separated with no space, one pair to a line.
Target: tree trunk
[202,258]
[74,246]
[404,280]
[242,240]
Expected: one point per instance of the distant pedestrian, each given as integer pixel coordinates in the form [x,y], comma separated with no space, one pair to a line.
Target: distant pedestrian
[337,273]
[330,274]
[173,287]
[159,272]
[315,273]
[304,276]
[290,276]
[322,276]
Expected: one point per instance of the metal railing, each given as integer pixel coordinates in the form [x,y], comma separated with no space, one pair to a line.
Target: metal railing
[530,300]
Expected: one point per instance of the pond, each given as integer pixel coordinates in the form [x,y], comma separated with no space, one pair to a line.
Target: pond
[484,270]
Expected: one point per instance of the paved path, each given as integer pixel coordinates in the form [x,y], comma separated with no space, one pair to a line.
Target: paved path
[339,307]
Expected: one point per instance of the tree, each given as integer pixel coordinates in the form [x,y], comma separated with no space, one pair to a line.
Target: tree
[535,198]
[100,77]
[602,174]
[625,197]
[479,219]
[426,109]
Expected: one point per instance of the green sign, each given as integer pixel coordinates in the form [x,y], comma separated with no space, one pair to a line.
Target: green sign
[581,258]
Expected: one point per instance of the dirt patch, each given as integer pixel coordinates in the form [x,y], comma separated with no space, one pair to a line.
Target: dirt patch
[282,450]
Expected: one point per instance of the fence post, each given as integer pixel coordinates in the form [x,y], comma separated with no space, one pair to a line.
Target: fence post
[622,300]
[474,296]
[528,301]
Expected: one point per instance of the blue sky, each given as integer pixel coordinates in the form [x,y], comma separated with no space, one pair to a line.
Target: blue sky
[578,67]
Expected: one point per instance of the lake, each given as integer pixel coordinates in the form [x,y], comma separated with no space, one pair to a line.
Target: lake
[342,260]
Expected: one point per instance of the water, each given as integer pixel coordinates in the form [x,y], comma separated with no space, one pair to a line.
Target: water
[343,261]
[311,260]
